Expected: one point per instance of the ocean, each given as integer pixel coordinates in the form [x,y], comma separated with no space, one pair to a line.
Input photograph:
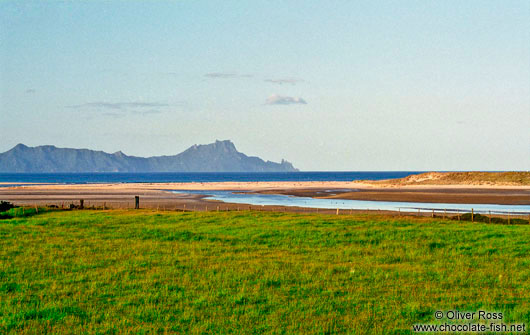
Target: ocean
[117,177]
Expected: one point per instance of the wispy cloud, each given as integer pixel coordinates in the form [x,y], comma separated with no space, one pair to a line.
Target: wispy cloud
[114,115]
[31,91]
[147,112]
[227,75]
[118,105]
[281,81]
[122,109]
[276,99]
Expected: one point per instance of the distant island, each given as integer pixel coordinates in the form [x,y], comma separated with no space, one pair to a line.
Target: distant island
[221,156]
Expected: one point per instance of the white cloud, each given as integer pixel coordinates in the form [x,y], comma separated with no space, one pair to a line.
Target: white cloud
[276,99]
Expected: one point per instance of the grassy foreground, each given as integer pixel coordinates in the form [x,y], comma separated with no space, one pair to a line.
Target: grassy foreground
[142,272]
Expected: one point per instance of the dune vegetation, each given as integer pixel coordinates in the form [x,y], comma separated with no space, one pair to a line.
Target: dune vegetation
[518,178]
[145,272]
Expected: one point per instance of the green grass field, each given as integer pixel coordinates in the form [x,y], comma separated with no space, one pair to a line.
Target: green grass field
[143,272]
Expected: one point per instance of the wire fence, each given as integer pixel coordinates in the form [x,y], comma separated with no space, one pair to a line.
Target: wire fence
[461,214]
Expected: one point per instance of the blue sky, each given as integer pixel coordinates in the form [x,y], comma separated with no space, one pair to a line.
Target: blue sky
[328,85]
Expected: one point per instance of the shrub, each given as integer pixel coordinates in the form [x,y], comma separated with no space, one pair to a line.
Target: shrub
[5,206]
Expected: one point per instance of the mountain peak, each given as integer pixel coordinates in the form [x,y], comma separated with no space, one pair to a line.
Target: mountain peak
[20,146]
[226,144]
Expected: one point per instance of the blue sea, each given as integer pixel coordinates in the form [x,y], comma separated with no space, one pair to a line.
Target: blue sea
[83,178]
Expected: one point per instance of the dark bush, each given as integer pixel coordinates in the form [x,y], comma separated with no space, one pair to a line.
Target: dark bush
[5,206]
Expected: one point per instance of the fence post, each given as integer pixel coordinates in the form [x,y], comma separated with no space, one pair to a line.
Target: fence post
[508,218]
[433,213]
[472,215]
[36,209]
[81,204]
[445,213]
[418,212]
[137,202]
[337,211]
[489,217]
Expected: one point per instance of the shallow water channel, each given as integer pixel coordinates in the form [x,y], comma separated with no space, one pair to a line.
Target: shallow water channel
[287,200]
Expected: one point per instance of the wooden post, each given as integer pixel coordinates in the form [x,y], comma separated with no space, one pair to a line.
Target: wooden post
[489,216]
[433,213]
[508,218]
[458,216]
[184,208]
[418,212]
[218,208]
[104,205]
[337,211]
[206,208]
[81,204]
[137,202]
[445,212]
[472,215]
[399,211]
[36,209]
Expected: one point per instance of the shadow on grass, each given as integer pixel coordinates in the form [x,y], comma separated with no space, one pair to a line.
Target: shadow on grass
[21,212]
[495,220]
